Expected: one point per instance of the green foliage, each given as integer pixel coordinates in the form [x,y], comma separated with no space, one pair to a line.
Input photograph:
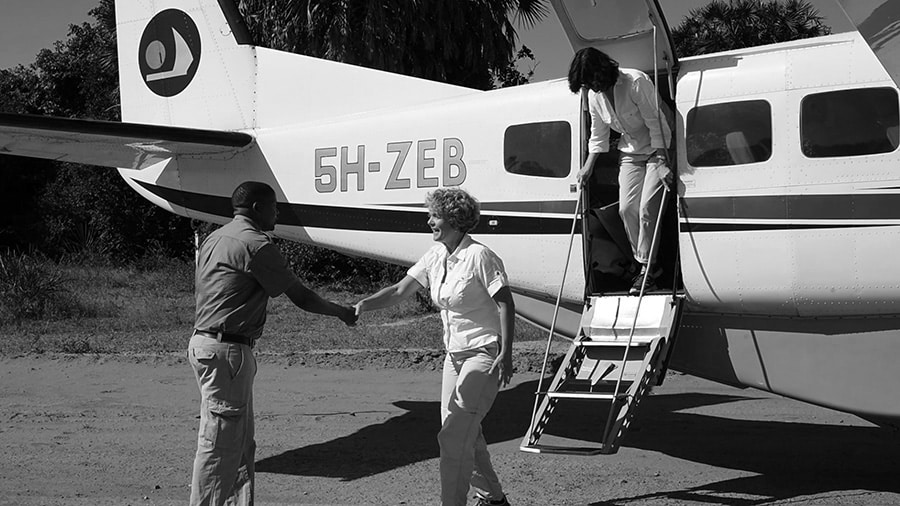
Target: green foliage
[68,210]
[92,213]
[735,24]
[453,41]
[78,77]
[319,266]
[31,288]
[511,75]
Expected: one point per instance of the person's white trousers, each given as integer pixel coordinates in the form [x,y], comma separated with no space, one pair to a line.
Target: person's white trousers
[640,194]
[467,393]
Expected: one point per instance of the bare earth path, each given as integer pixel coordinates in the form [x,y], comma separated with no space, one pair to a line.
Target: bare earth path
[120,430]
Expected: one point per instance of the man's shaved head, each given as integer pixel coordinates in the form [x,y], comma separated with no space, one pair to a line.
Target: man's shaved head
[250,192]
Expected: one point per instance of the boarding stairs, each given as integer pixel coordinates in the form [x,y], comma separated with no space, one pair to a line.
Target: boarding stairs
[621,352]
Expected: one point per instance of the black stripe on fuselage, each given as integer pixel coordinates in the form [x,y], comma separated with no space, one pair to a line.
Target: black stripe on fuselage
[884,206]
[766,227]
[414,219]
[375,220]
[542,206]
[788,212]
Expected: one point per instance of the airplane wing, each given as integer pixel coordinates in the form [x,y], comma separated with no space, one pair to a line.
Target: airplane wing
[878,21]
[111,143]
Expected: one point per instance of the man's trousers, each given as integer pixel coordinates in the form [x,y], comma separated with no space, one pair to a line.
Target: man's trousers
[224,463]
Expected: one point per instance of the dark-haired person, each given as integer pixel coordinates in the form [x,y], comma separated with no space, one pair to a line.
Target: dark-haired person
[468,283]
[626,101]
[239,268]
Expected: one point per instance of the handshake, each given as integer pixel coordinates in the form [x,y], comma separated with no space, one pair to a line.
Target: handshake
[350,314]
[385,297]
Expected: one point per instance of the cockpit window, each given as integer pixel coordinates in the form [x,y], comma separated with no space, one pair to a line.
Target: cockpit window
[538,149]
[849,123]
[732,133]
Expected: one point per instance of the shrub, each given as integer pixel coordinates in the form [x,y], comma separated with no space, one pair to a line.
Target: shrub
[320,266]
[31,288]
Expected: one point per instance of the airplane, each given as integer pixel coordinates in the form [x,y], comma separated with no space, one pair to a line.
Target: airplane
[777,242]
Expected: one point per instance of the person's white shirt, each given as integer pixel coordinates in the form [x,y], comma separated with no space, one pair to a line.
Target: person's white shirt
[644,128]
[462,286]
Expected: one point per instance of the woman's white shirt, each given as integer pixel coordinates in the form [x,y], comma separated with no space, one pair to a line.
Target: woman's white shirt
[462,285]
[644,128]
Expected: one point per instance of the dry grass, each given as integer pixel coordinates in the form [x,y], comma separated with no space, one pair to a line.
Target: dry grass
[133,311]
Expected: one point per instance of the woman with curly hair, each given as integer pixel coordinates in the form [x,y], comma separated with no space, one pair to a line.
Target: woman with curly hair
[469,285]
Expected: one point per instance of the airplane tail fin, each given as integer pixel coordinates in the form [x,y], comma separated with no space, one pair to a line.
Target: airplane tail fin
[194,66]
[189,66]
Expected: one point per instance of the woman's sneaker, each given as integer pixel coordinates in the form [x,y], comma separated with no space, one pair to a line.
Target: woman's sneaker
[484,502]
[655,272]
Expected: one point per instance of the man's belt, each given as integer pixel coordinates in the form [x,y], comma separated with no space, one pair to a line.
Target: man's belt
[225,337]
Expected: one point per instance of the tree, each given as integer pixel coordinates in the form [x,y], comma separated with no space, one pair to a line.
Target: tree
[722,26]
[463,42]
[64,208]
[511,75]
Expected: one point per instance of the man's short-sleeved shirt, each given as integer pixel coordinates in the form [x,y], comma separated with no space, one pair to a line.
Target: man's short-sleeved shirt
[462,286]
[238,270]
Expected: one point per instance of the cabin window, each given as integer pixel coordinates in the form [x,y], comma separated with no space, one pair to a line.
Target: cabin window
[538,149]
[849,123]
[732,133]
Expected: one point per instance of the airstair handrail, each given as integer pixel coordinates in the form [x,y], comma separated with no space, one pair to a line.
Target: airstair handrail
[562,283]
[653,246]
[637,311]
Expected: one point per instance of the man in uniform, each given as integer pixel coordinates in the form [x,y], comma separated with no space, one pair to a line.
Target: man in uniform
[238,270]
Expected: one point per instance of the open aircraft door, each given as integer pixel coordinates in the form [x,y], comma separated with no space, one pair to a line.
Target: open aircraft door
[633,32]
[623,343]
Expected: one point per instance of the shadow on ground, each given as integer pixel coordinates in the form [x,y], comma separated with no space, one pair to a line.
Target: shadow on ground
[402,440]
[790,459]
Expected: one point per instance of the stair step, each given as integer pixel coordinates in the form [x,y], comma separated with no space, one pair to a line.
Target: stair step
[563,450]
[621,348]
[585,395]
[635,343]
[604,363]
[589,385]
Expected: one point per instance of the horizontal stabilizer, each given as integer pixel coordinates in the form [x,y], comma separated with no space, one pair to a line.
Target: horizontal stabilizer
[112,143]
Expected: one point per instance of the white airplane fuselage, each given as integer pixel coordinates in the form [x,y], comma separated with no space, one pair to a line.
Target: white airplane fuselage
[788,273]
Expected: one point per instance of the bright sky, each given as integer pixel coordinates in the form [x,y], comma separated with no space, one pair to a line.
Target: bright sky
[27,26]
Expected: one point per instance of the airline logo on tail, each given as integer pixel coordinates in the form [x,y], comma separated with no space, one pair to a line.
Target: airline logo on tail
[169,52]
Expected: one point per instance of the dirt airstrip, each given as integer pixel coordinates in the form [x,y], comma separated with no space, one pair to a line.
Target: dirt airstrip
[120,430]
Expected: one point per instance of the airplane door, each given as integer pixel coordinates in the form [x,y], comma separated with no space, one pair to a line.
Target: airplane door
[623,29]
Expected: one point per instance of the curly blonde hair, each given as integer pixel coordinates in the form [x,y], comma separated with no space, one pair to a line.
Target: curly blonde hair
[456,206]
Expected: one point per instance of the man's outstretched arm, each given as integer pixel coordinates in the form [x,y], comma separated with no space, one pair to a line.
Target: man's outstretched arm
[308,300]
